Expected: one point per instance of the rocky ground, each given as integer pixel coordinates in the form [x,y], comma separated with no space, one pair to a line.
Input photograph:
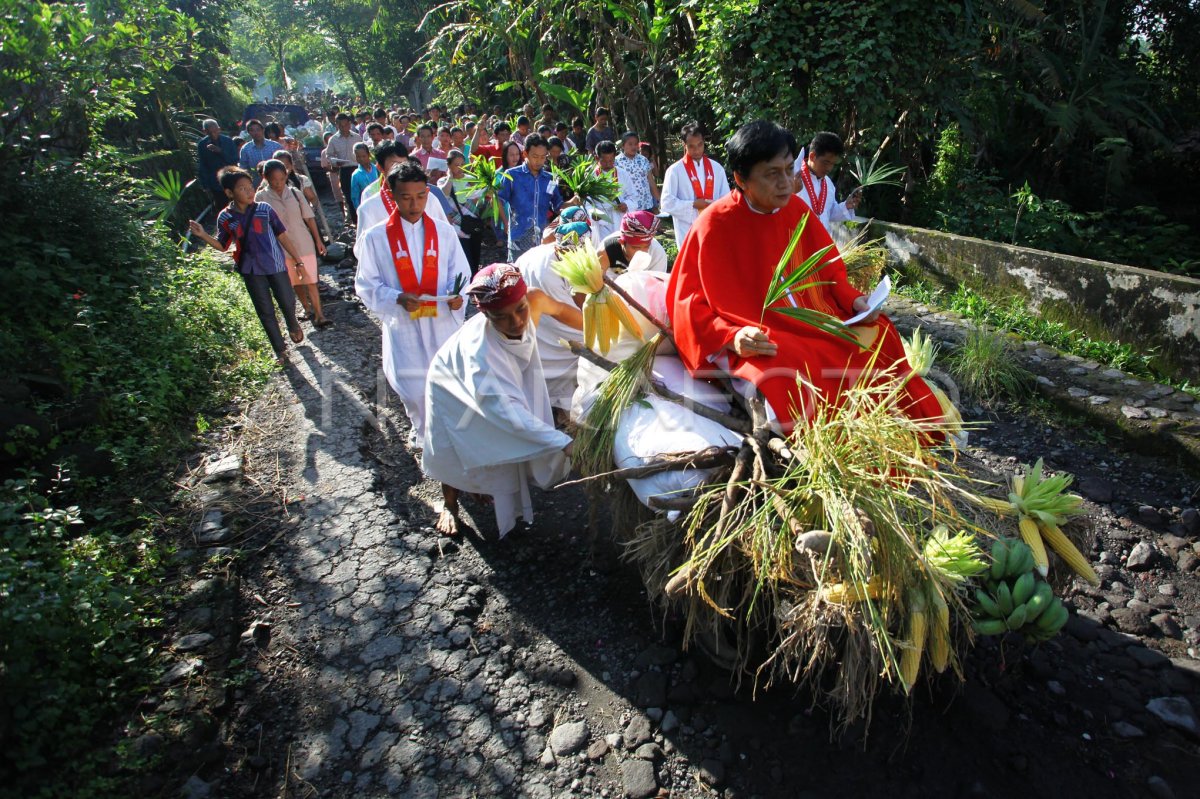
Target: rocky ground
[339,648]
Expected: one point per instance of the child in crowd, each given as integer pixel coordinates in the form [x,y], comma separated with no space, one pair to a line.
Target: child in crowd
[261,240]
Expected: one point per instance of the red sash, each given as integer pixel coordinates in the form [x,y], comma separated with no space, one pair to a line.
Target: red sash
[428,284]
[818,201]
[389,202]
[707,192]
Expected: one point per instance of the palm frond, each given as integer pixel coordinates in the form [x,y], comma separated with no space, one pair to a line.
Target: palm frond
[587,186]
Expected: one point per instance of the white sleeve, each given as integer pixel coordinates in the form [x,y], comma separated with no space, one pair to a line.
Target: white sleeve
[721,184]
[672,201]
[658,258]
[838,212]
[369,284]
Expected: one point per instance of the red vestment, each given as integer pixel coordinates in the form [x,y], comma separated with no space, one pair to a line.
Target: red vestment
[718,285]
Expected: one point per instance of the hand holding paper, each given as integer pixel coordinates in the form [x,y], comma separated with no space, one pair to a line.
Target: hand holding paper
[875,301]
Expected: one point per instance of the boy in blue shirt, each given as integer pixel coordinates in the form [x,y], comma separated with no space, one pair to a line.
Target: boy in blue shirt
[364,176]
[261,241]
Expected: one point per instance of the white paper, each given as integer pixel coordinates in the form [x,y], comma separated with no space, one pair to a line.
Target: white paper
[440,298]
[875,301]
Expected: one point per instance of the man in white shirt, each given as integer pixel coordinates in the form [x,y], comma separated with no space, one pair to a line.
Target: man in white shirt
[693,183]
[491,430]
[411,273]
[813,184]
[377,203]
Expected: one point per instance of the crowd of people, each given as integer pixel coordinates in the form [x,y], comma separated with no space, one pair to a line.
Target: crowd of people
[487,396]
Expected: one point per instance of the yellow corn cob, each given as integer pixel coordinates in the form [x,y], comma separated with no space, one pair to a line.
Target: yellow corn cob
[845,593]
[953,419]
[939,633]
[1000,507]
[596,277]
[590,327]
[621,311]
[1032,536]
[910,661]
[1067,551]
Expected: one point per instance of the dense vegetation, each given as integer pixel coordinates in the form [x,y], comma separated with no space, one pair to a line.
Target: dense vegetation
[1073,126]
[112,343]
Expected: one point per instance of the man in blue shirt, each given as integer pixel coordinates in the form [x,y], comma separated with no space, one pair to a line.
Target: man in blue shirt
[256,151]
[532,198]
[364,176]
[214,152]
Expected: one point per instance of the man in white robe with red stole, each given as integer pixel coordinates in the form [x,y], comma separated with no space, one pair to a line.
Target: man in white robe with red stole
[491,430]
[377,203]
[406,263]
[692,183]
[815,187]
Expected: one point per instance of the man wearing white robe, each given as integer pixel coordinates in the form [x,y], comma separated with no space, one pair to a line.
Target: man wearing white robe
[680,198]
[491,430]
[815,187]
[409,344]
[376,207]
[559,364]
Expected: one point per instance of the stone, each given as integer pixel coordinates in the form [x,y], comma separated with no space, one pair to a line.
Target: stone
[637,732]
[670,722]
[569,738]
[1134,413]
[211,520]
[1123,729]
[195,788]
[1166,625]
[638,780]
[712,772]
[597,750]
[1098,399]
[257,634]
[1190,518]
[1147,658]
[1159,788]
[1045,353]
[1141,558]
[1177,712]
[1097,489]
[1156,413]
[1168,589]
[192,642]
[651,689]
[1188,666]
[547,760]
[1113,374]
[227,467]
[1149,516]
[1134,622]
[181,671]
[1077,392]
[656,655]
[219,536]
[648,751]
[614,740]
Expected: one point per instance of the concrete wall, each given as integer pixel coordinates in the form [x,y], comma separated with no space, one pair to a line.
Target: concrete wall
[1154,311]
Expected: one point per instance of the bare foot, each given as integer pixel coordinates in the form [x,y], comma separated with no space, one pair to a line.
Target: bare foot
[447,523]
[297,334]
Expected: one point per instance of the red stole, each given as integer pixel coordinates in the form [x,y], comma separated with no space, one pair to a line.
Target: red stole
[385,192]
[406,272]
[707,192]
[818,201]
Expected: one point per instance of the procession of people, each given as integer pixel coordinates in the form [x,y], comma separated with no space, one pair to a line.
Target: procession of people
[488,391]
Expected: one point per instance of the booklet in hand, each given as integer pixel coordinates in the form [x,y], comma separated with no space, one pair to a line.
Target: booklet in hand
[875,301]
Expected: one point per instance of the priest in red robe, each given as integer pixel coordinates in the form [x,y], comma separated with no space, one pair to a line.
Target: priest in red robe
[722,276]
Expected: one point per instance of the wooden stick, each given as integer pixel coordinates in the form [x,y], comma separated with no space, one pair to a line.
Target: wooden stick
[611,282]
[704,459]
[724,419]
[681,503]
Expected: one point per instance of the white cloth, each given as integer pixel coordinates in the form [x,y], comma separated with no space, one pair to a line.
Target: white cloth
[559,364]
[653,260]
[410,344]
[678,196]
[491,430]
[372,211]
[834,211]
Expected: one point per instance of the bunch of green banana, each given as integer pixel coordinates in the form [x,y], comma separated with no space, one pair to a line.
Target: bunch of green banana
[1014,599]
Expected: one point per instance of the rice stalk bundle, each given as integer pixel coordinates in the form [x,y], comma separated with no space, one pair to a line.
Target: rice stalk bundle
[840,616]
[587,184]
[865,261]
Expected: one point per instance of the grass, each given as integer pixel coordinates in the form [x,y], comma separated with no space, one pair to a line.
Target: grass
[985,367]
[1012,316]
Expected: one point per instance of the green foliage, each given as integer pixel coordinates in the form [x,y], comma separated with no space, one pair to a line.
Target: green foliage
[70,68]
[73,601]
[985,367]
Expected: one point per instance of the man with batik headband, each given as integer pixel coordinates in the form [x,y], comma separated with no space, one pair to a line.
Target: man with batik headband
[490,428]
[635,236]
[377,203]
[559,364]
[692,183]
[411,272]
